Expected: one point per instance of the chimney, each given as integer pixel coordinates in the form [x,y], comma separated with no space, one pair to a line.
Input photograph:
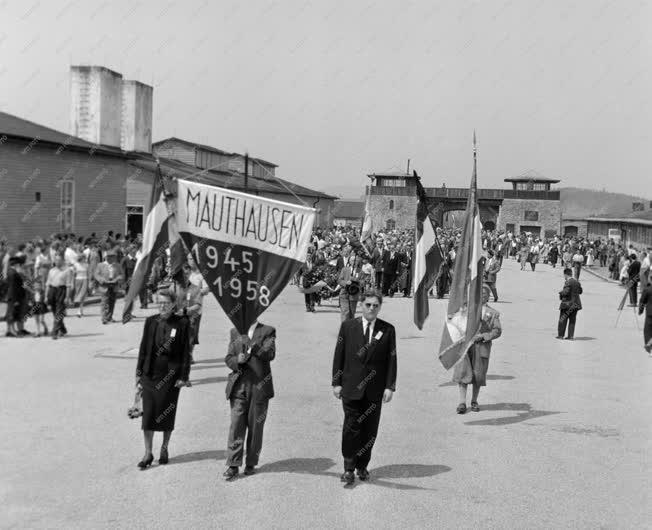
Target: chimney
[136,120]
[96,104]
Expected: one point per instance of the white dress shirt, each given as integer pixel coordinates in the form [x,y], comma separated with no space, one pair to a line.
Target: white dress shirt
[366,323]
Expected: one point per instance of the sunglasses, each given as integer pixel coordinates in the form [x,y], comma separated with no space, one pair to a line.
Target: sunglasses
[371,305]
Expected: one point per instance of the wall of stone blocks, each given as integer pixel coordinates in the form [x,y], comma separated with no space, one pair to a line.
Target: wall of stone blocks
[403,211]
[513,211]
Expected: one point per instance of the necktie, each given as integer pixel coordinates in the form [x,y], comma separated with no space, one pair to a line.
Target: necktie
[367,331]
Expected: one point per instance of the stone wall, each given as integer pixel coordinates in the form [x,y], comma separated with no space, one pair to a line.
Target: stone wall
[548,215]
[401,209]
[571,224]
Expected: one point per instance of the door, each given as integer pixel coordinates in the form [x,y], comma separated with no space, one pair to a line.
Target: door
[134,221]
[536,230]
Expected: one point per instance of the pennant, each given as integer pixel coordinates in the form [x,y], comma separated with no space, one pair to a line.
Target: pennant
[464,314]
[248,247]
[427,257]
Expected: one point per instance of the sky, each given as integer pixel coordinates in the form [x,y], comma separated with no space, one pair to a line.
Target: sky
[334,90]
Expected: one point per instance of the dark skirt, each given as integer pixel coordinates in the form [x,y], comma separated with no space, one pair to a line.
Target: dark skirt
[472,369]
[160,397]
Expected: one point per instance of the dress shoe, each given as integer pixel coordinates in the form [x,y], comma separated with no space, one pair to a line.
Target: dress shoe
[461,408]
[569,338]
[474,406]
[231,473]
[363,474]
[348,477]
[250,470]
[146,462]
[23,333]
[10,334]
[163,457]
[559,337]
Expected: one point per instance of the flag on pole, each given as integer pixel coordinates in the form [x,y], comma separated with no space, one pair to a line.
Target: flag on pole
[464,313]
[367,225]
[247,247]
[427,257]
[155,241]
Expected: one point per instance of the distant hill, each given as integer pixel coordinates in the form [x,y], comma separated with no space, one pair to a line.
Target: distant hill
[578,202]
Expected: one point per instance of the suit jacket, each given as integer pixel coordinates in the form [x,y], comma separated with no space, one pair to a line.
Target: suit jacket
[390,264]
[255,373]
[490,329]
[634,270]
[176,348]
[570,295]
[103,273]
[365,370]
[377,259]
[492,271]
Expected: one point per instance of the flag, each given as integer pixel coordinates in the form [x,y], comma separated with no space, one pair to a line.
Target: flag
[427,257]
[464,313]
[247,247]
[155,241]
[367,225]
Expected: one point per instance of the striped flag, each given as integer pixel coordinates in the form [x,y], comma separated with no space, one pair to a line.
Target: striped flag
[155,241]
[367,226]
[464,313]
[427,257]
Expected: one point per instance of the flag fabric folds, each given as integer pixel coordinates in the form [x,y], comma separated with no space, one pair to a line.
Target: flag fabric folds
[155,241]
[464,313]
[427,257]
[247,247]
[367,226]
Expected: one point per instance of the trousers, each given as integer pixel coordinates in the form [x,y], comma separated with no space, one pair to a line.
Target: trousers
[566,318]
[492,286]
[359,432]
[347,306]
[108,303]
[247,420]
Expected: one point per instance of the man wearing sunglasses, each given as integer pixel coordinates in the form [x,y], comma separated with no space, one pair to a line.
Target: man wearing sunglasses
[364,377]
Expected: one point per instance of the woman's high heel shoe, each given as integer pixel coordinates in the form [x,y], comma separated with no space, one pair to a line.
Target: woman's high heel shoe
[144,464]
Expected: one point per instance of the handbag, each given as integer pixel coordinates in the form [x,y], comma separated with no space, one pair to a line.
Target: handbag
[136,410]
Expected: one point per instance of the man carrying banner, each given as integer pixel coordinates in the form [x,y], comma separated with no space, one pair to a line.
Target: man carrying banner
[472,368]
[248,390]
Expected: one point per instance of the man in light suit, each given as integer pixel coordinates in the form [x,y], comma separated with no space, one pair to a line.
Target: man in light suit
[364,377]
[491,273]
[108,276]
[249,390]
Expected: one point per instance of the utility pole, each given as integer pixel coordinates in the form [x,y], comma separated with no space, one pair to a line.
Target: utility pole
[246,173]
[407,172]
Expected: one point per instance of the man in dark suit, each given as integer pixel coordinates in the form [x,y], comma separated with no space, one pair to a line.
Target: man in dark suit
[569,306]
[377,262]
[249,390]
[634,274]
[390,268]
[364,377]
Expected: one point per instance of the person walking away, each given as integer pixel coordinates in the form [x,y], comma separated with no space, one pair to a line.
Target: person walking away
[108,276]
[633,273]
[363,377]
[569,306]
[577,260]
[57,293]
[249,389]
[161,371]
[646,304]
[472,369]
[81,283]
[491,273]
[553,255]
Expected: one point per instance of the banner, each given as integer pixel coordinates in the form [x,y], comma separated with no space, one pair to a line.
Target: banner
[248,247]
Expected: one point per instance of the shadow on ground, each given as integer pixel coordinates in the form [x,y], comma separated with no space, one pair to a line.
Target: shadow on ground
[198,456]
[489,378]
[524,410]
[379,476]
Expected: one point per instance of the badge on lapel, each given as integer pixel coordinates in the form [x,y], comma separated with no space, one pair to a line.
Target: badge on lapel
[378,335]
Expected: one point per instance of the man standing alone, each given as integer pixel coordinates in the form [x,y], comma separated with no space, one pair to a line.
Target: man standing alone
[108,276]
[491,272]
[364,377]
[569,306]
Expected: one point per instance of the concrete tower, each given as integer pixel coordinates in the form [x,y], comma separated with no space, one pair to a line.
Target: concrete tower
[136,128]
[96,104]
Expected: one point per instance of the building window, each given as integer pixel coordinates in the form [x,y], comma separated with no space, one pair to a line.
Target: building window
[509,227]
[67,205]
[37,196]
[390,224]
[391,204]
[531,215]
[134,220]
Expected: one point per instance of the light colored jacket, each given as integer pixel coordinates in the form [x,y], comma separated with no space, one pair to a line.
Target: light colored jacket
[490,329]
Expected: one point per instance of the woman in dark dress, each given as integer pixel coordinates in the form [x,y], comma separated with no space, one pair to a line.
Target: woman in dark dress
[163,368]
